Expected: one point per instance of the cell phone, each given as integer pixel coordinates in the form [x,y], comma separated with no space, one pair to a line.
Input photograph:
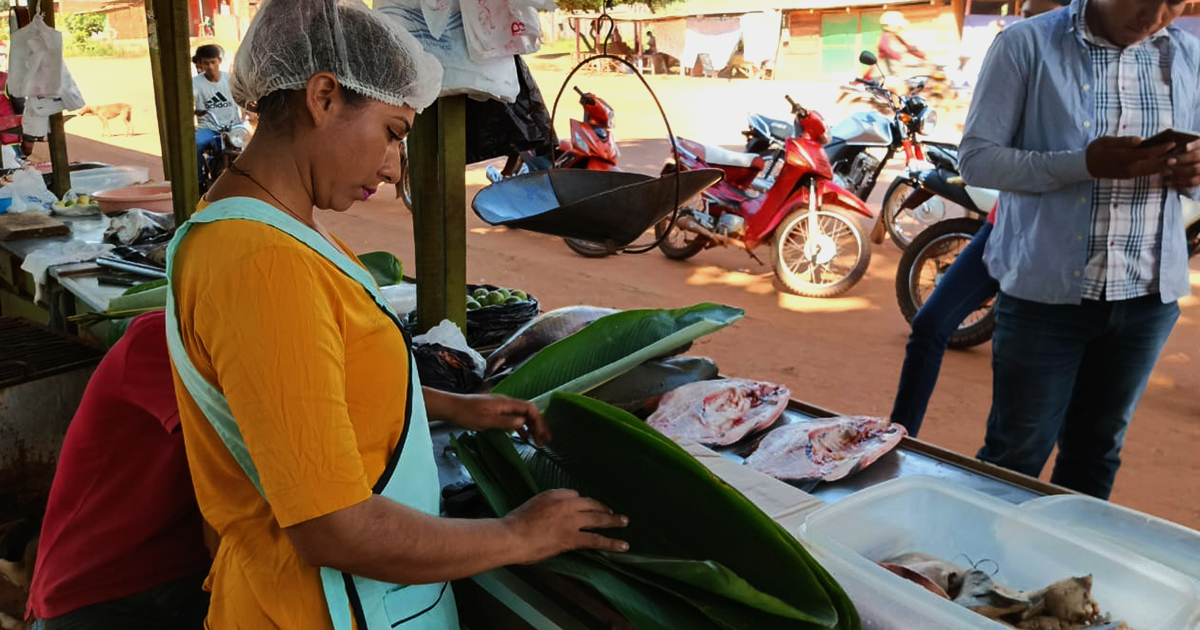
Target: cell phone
[1180,138]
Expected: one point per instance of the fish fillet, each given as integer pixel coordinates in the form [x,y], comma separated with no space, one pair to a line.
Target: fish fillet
[719,412]
[826,449]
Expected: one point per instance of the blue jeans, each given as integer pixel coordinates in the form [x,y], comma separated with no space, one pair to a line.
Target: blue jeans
[1071,374]
[206,140]
[960,292]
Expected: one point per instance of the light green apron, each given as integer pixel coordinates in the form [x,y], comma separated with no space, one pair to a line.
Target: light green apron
[411,474]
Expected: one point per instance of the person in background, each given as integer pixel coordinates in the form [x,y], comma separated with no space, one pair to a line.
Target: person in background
[122,544]
[1089,246]
[215,109]
[964,287]
[892,45]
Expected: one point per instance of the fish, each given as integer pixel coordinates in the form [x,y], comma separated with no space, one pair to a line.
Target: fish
[642,388]
[540,332]
[719,412]
[825,449]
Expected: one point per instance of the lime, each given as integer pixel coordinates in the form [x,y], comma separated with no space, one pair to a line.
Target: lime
[472,304]
[519,294]
[513,300]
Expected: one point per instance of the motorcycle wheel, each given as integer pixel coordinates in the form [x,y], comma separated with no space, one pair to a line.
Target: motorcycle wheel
[922,267]
[904,225]
[679,244]
[831,265]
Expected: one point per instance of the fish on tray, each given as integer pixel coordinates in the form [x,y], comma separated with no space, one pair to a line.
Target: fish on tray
[540,332]
[719,412]
[825,449]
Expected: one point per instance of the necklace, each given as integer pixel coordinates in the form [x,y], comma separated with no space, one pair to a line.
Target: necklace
[236,170]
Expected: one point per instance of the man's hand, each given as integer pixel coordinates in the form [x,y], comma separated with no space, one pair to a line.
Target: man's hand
[1122,157]
[557,520]
[479,412]
[1183,168]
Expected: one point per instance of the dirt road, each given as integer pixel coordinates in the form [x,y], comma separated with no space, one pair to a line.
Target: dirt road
[842,353]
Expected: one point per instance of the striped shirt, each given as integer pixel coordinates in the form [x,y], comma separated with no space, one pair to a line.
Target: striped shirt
[1133,98]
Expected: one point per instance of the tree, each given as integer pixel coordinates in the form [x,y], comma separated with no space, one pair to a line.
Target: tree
[83,26]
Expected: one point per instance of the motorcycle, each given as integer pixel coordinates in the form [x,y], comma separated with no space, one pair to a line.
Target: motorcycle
[818,246]
[927,260]
[850,150]
[591,147]
[214,163]
[929,191]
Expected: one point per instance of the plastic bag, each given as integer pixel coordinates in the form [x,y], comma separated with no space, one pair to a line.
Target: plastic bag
[500,28]
[35,65]
[492,78]
[496,129]
[29,191]
[446,362]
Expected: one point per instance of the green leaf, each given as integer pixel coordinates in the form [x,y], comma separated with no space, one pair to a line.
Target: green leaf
[145,286]
[646,608]
[611,346]
[466,447]
[148,299]
[678,508]
[384,267]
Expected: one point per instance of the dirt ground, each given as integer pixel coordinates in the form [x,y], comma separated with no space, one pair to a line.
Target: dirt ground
[842,353]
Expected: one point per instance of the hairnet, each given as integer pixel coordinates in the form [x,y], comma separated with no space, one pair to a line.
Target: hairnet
[370,53]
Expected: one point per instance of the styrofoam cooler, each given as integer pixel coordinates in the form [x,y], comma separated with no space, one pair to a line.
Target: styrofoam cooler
[921,514]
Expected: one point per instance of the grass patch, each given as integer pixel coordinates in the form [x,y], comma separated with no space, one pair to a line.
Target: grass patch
[95,48]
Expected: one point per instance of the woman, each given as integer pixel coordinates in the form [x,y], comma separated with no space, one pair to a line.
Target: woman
[304,421]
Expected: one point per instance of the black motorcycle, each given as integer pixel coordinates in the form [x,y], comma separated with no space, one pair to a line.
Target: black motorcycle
[214,162]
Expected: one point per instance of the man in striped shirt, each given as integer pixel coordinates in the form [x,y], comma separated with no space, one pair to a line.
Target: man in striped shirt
[1089,247]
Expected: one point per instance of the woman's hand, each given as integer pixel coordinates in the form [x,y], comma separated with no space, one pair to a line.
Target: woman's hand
[479,412]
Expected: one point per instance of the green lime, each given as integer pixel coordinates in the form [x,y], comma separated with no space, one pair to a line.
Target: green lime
[472,304]
[517,293]
[513,300]
[479,293]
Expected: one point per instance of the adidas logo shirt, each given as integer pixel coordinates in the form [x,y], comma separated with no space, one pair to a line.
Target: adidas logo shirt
[215,97]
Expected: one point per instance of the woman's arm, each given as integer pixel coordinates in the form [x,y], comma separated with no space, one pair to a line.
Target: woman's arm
[384,540]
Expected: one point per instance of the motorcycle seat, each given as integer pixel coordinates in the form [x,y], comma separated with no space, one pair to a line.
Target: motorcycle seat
[724,157]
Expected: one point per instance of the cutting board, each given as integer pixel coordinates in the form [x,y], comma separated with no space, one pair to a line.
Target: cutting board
[20,225]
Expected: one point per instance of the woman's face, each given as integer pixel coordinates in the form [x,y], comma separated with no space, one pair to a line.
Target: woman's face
[358,150]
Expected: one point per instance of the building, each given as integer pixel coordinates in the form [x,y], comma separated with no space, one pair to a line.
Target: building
[127,18]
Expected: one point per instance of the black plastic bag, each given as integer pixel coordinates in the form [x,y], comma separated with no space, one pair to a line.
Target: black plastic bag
[496,129]
[446,369]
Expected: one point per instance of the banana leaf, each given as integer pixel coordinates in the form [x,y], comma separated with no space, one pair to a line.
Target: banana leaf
[145,286]
[680,509]
[384,267]
[737,566]
[611,346]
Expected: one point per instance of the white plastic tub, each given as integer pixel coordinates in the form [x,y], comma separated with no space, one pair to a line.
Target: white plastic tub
[1162,541]
[931,516]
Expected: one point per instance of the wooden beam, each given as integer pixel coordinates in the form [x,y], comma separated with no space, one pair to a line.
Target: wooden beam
[168,25]
[438,162]
[57,138]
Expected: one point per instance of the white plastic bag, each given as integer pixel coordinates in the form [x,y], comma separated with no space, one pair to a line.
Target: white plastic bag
[29,192]
[35,65]
[447,334]
[488,79]
[501,28]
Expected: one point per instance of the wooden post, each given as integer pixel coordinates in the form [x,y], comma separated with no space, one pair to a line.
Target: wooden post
[170,63]
[438,162]
[57,138]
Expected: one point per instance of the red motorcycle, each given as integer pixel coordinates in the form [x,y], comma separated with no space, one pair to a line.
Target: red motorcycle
[591,147]
[818,245]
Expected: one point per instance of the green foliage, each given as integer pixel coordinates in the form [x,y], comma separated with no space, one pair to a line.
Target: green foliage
[93,48]
[83,25]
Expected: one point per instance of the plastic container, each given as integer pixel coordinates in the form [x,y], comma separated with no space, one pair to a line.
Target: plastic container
[5,204]
[152,197]
[932,516]
[1162,541]
[89,181]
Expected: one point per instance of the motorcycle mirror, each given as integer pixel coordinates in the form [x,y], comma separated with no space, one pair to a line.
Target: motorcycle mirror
[867,58]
